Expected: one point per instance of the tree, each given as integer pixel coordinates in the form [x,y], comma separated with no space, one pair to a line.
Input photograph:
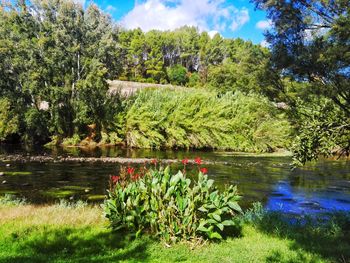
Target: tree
[155,62]
[57,53]
[177,75]
[310,42]
[9,123]
[245,68]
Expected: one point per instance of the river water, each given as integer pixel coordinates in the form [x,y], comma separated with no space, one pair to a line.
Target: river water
[321,186]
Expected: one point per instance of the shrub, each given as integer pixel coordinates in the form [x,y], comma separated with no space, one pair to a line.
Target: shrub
[109,138]
[71,141]
[171,207]
[194,118]
[177,75]
[193,79]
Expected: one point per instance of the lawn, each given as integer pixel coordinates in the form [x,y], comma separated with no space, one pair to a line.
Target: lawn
[79,233]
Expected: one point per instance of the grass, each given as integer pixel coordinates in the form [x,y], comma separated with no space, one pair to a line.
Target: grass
[79,233]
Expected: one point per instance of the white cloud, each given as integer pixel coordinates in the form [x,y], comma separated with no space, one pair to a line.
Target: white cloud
[241,18]
[170,14]
[111,9]
[264,24]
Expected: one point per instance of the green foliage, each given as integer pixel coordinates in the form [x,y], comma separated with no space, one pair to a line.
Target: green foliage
[12,200]
[193,79]
[9,121]
[223,77]
[71,141]
[171,206]
[37,125]
[56,57]
[323,130]
[186,53]
[154,64]
[60,54]
[177,75]
[110,138]
[246,68]
[201,119]
[310,43]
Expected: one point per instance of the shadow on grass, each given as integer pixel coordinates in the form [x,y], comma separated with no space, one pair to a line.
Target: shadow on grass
[327,235]
[74,245]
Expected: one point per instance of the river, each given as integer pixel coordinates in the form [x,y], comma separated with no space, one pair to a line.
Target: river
[320,186]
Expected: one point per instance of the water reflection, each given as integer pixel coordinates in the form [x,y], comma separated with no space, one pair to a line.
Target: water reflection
[315,188]
[297,200]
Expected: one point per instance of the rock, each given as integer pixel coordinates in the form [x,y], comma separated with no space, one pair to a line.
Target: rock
[4,182]
[8,165]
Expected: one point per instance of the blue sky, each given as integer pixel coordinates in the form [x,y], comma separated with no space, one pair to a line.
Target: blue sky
[231,18]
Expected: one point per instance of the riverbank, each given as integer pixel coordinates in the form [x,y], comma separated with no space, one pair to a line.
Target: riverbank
[24,158]
[79,233]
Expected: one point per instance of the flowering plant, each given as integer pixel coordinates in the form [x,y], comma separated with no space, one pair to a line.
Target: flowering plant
[170,206]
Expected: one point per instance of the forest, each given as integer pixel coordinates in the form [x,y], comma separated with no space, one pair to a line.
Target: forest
[56,58]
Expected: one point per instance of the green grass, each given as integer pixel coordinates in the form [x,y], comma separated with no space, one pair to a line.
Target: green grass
[64,233]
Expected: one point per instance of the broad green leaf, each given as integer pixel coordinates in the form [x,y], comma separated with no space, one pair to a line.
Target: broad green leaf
[217,217]
[202,209]
[228,223]
[234,206]
[220,226]
[215,235]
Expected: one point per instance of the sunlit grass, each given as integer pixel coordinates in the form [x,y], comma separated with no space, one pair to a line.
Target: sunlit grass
[79,214]
[79,233]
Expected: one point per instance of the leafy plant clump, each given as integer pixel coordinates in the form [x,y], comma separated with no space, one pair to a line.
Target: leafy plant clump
[200,119]
[171,206]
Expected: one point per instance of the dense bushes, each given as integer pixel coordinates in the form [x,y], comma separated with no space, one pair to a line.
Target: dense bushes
[323,130]
[201,119]
[177,75]
[9,123]
[170,206]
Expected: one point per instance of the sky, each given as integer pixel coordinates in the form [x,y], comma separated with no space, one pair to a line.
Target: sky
[230,18]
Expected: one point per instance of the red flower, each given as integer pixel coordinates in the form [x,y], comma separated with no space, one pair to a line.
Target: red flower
[185,161]
[198,160]
[154,161]
[130,170]
[115,178]
[204,170]
[135,177]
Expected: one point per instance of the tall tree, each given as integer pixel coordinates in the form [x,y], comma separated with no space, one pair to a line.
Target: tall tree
[57,58]
[310,42]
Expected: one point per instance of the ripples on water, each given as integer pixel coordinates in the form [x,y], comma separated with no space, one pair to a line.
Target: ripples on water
[318,187]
